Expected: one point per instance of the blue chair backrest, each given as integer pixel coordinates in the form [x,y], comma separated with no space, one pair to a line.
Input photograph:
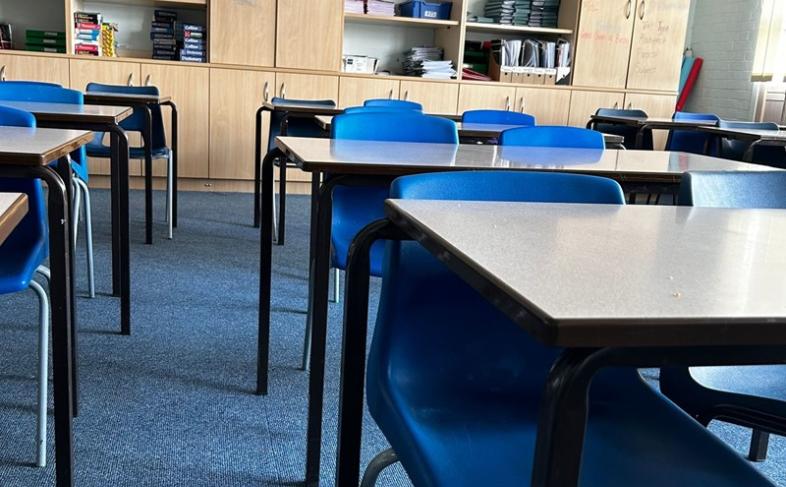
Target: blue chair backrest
[136,122]
[375,109]
[33,226]
[49,93]
[296,126]
[691,140]
[735,149]
[32,83]
[432,328]
[396,104]
[627,132]
[726,189]
[499,117]
[403,126]
[547,136]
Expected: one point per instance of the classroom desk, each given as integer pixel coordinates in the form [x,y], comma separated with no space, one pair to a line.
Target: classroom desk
[27,152]
[685,261]
[755,137]
[144,102]
[644,124]
[100,119]
[371,162]
[13,208]
[481,130]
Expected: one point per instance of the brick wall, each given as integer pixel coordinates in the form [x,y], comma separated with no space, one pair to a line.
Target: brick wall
[723,32]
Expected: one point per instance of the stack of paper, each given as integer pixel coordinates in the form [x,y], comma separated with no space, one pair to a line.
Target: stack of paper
[502,11]
[381,7]
[427,62]
[355,6]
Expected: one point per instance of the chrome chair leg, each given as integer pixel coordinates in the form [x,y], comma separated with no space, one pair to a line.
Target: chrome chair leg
[91,281]
[375,467]
[336,286]
[43,372]
[169,192]
[275,214]
[307,347]
[76,202]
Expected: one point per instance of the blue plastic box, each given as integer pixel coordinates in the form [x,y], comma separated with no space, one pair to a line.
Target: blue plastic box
[425,10]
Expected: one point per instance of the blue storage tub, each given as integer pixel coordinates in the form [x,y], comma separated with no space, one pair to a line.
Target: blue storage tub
[425,10]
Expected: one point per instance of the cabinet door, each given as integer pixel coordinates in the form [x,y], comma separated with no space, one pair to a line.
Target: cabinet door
[603,43]
[439,98]
[306,86]
[235,96]
[657,106]
[583,104]
[310,34]
[549,106]
[255,19]
[84,71]
[34,68]
[485,97]
[658,42]
[353,92]
[189,88]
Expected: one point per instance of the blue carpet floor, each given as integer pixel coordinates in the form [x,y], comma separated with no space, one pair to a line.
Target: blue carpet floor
[172,405]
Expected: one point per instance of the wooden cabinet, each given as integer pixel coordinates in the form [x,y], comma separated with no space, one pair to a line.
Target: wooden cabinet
[441,98]
[656,50]
[85,71]
[243,32]
[34,68]
[549,106]
[603,43]
[660,106]
[310,34]
[583,104]
[481,97]
[235,96]
[354,91]
[306,86]
[189,88]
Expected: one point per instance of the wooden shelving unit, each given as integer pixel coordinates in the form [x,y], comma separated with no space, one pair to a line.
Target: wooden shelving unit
[516,29]
[378,19]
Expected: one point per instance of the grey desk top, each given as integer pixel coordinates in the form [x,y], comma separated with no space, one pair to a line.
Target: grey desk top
[68,112]
[13,207]
[37,146]
[106,98]
[396,158]
[302,108]
[654,122]
[605,275]
[771,136]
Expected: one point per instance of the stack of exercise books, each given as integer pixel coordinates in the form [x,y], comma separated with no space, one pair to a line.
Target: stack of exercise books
[191,39]
[45,41]
[162,33]
[6,39]
[87,33]
[537,13]
[381,8]
[355,6]
[502,11]
[427,62]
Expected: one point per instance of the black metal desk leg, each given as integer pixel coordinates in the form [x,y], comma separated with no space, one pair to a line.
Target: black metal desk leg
[119,139]
[316,180]
[265,267]
[115,195]
[147,136]
[257,165]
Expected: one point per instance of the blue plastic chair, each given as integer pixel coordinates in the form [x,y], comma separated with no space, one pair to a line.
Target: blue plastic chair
[32,91]
[21,256]
[751,396]
[456,386]
[389,103]
[31,83]
[767,155]
[378,109]
[547,136]
[136,123]
[627,132]
[691,140]
[498,117]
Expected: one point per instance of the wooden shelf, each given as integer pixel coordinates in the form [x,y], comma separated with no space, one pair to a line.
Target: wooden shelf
[378,19]
[198,4]
[514,29]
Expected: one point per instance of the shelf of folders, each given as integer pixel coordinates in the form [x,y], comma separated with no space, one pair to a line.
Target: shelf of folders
[525,61]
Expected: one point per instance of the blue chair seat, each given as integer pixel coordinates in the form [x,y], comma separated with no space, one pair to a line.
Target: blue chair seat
[20,256]
[769,381]
[103,151]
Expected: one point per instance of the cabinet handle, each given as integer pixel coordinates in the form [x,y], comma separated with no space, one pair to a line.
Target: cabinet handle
[147,80]
[641,10]
[390,95]
[406,95]
[616,105]
[130,81]
[521,104]
[630,105]
[628,9]
[283,90]
[2,73]
[266,91]
[507,103]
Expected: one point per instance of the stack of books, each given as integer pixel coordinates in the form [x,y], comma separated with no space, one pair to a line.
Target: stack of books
[502,11]
[381,8]
[6,40]
[192,42]
[355,6]
[45,41]
[543,13]
[87,33]
[427,62]
[162,33]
